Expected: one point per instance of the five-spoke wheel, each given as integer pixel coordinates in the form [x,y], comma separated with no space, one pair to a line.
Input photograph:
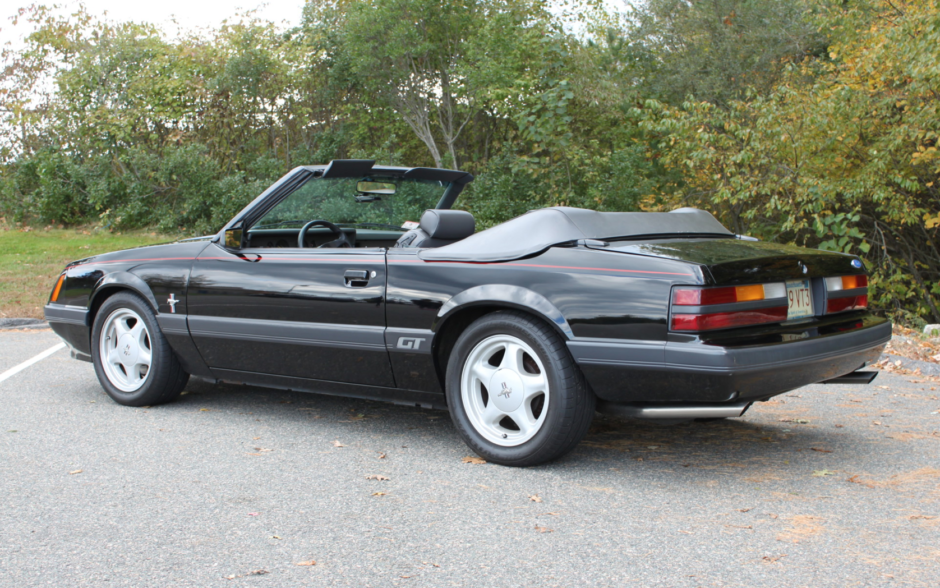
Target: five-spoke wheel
[125,349]
[504,390]
[132,358]
[515,394]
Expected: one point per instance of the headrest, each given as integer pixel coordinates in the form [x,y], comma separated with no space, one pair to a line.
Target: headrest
[452,225]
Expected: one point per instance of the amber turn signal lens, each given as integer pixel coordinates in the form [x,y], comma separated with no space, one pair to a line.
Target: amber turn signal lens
[58,286]
[748,293]
[852,282]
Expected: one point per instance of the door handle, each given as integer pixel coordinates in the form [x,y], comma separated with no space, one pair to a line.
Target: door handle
[356,278]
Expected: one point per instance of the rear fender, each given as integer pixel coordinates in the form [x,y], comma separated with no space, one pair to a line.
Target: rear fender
[508,296]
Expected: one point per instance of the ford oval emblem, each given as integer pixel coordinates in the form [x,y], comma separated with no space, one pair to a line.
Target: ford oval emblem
[856,263]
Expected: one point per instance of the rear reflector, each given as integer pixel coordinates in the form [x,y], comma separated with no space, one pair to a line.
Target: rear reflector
[727,295]
[724,320]
[58,286]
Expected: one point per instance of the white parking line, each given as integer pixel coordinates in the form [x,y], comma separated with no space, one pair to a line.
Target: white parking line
[17,369]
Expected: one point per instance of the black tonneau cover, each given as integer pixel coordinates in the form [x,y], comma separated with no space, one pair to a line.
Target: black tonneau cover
[540,229]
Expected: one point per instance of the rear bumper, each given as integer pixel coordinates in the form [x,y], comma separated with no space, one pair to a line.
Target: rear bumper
[650,372]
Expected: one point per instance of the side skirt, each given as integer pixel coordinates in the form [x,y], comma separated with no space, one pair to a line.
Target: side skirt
[393,395]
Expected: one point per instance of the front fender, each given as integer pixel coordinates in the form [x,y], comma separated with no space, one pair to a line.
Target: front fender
[125,281]
[504,295]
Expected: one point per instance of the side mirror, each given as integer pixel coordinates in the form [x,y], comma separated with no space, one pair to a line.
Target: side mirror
[233,238]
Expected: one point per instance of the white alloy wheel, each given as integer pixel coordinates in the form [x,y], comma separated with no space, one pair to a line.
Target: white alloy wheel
[504,390]
[125,350]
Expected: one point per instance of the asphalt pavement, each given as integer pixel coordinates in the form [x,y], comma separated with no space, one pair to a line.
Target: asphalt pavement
[240,486]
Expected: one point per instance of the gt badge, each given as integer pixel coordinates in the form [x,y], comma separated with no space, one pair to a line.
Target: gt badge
[172,302]
[410,343]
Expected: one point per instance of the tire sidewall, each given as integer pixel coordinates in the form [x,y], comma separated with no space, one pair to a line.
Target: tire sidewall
[528,452]
[135,303]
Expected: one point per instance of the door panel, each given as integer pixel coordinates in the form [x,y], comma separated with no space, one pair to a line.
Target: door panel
[305,313]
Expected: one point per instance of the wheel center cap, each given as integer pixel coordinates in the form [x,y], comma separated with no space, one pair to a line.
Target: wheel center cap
[506,390]
[127,349]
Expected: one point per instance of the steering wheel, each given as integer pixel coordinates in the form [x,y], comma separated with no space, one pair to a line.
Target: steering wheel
[341,239]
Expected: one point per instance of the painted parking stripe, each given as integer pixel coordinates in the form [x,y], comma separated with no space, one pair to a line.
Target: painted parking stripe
[17,369]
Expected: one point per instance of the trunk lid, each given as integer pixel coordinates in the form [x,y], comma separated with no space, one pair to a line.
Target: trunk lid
[737,261]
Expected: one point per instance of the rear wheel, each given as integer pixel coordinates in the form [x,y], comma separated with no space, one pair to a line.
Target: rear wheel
[132,358]
[515,394]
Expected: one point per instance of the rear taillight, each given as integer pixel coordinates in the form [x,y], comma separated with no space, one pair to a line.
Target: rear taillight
[706,309]
[58,287]
[846,293]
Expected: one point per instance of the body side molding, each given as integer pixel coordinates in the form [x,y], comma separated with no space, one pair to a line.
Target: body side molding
[516,296]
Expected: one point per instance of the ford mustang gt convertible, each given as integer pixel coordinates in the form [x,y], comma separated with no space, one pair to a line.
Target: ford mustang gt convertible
[359,280]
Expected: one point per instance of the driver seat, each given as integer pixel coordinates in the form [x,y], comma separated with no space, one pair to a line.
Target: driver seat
[438,228]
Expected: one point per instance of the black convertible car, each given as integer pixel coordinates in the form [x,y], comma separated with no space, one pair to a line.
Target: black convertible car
[325,283]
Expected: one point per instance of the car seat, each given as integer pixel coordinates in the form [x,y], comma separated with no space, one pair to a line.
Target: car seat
[438,228]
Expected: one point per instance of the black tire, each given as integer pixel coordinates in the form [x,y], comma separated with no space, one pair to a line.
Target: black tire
[164,379]
[569,407]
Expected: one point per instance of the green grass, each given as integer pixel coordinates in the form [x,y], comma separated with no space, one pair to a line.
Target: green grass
[30,261]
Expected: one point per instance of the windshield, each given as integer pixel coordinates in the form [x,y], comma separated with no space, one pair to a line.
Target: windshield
[342,202]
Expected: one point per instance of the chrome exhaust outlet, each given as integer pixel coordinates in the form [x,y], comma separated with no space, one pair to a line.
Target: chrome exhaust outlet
[675,412]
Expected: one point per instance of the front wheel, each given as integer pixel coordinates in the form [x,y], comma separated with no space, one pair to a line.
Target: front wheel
[132,358]
[515,394]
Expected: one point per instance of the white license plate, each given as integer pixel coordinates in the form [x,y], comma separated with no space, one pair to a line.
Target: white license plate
[801,300]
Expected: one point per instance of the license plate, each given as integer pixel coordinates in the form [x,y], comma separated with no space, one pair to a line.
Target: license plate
[801,300]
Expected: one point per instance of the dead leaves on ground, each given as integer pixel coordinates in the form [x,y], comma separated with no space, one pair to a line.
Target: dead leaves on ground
[801,527]
[306,563]
[73,472]
[544,529]
[378,477]
[336,443]
[535,498]
[473,460]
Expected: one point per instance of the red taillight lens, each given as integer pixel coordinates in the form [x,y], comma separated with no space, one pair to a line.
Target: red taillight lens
[726,295]
[847,303]
[58,287]
[724,320]
[838,286]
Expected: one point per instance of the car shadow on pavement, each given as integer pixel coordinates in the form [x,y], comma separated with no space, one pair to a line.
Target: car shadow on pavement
[725,444]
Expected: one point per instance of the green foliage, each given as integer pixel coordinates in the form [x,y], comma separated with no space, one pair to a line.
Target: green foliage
[814,123]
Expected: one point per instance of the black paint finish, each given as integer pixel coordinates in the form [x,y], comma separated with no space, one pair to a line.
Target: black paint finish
[378,323]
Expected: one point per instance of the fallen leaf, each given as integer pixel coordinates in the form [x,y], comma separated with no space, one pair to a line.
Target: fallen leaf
[255,438]
[207,410]
[856,480]
[274,537]
[821,450]
[770,559]
[379,477]
[306,563]
[73,472]
[743,509]
[544,530]
[378,494]
[535,498]
[819,473]
[473,460]
[338,444]
[262,449]
[258,572]
[381,456]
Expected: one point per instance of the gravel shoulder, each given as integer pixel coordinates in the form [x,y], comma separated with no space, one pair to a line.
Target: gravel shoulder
[824,486]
